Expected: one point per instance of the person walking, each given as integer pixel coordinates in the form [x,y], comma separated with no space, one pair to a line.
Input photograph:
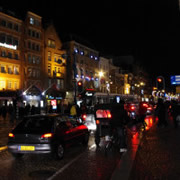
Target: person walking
[175,111]
[119,120]
[73,110]
[160,112]
[4,112]
[11,113]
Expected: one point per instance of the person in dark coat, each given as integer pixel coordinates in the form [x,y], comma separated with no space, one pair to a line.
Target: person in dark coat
[175,111]
[160,112]
[11,113]
[119,120]
[4,112]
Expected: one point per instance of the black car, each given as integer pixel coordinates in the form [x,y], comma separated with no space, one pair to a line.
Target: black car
[50,133]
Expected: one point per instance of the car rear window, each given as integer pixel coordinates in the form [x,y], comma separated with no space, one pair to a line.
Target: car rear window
[36,124]
[101,113]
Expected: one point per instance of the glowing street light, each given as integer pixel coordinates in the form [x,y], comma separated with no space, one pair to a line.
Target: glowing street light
[101,74]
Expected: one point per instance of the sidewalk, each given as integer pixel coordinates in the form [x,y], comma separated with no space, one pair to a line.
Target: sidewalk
[5,128]
[158,155]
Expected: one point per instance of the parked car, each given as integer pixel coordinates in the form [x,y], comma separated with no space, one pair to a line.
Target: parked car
[50,133]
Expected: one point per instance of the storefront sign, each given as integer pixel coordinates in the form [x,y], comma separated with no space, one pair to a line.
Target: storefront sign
[8,46]
[54,104]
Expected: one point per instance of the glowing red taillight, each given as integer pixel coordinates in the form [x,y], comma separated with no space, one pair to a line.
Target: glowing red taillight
[47,135]
[109,115]
[11,135]
[97,122]
[132,108]
[84,117]
[145,105]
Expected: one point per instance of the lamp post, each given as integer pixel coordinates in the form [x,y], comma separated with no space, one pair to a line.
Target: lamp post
[74,80]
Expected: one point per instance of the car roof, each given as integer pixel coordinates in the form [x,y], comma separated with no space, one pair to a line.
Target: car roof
[43,115]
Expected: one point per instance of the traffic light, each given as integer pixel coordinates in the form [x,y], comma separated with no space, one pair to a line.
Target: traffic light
[79,86]
[160,84]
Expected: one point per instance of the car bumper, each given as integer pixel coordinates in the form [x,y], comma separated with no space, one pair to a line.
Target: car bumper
[34,148]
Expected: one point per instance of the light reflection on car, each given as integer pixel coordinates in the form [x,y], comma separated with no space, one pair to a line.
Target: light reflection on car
[50,133]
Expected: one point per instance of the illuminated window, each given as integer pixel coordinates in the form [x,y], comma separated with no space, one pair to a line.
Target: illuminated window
[49,69]
[9,84]
[49,56]
[51,43]
[31,21]
[2,84]
[10,70]
[16,70]
[33,59]
[15,85]
[3,69]
[29,72]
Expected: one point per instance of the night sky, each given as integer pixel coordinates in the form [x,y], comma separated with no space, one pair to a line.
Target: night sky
[148,30]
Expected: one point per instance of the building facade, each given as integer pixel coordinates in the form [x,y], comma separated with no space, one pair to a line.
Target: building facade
[10,56]
[54,67]
[82,66]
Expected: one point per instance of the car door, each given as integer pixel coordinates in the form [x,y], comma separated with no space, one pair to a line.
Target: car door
[78,130]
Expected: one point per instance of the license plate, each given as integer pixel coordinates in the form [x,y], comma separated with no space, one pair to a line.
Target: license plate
[26,148]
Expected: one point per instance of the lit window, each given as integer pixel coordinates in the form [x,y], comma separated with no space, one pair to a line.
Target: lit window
[3,69]
[15,85]
[49,56]
[9,84]
[2,85]
[31,21]
[16,70]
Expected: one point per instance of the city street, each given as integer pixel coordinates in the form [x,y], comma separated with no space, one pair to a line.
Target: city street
[152,154]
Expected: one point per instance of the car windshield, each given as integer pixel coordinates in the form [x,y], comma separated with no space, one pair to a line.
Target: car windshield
[35,124]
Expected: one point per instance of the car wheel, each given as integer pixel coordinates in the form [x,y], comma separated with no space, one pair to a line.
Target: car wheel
[17,155]
[85,139]
[60,151]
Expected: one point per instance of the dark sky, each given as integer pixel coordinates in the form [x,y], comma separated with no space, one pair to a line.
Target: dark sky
[148,30]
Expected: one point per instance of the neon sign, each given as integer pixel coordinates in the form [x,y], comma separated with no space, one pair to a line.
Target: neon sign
[8,46]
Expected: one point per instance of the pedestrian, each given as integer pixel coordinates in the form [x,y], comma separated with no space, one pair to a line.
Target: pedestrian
[4,112]
[160,112]
[11,113]
[73,110]
[174,112]
[142,110]
[118,123]
[50,109]
[33,110]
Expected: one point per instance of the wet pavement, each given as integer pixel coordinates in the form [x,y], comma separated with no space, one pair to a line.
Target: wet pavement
[152,155]
[5,128]
[158,155]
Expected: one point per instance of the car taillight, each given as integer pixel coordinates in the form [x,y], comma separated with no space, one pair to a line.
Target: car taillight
[11,135]
[132,108]
[47,135]
[145,105]
[84,117]
[97,122]
[109,115]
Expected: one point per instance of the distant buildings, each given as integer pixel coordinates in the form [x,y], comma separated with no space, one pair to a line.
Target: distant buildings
[36,67]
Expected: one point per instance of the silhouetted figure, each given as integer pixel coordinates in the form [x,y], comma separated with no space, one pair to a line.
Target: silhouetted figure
[33,110]
[11,113]
[161,113]
[119,120]
[4,112]
[175,111]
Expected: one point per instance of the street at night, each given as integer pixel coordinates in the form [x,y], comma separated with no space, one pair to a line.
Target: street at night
[89,91]
[152,154]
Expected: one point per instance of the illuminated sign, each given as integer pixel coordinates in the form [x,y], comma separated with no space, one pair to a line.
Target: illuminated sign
[54,104]
[8,46]
[175,80]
